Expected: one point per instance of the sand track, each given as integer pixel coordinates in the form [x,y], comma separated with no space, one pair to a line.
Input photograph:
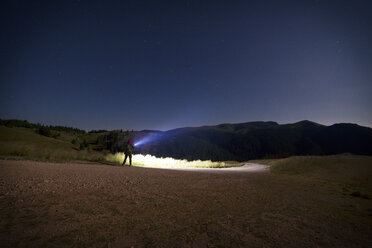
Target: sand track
[247,167]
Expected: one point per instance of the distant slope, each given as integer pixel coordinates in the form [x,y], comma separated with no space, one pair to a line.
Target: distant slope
[353,169]
[24,142]
[11,139]
[254,140]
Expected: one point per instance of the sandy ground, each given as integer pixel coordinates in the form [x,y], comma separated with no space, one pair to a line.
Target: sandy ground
[90,205]
[247,167]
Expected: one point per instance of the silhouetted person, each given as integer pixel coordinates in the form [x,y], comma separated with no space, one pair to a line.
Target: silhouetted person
[128,152]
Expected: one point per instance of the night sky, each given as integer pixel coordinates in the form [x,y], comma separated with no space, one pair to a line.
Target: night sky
[168,64]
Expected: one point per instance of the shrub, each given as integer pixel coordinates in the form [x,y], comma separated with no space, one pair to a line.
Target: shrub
[83,144]
[44,131]
[75,141]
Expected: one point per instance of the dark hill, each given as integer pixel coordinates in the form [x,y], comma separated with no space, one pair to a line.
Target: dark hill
[254,140]
[239,142]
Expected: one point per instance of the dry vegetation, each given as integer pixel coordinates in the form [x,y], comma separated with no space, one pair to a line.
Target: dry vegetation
[25,143]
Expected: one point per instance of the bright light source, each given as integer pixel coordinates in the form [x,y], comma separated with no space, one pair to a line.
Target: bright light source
[154,162]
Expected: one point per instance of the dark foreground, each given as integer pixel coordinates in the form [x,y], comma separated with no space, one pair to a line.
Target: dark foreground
[88,205]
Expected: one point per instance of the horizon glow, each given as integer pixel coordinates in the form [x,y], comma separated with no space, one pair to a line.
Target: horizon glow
[143,66]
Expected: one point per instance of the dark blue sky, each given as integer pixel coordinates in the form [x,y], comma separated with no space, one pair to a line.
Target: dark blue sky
[167,64]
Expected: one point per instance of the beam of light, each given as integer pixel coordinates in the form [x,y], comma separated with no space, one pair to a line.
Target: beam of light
[147,139]
[154,162]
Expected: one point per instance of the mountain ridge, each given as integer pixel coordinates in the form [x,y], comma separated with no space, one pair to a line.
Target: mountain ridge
[222,142]
[260,139]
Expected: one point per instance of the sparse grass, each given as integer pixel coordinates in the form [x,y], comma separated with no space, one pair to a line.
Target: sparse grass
[22,142]
[348,174]
[337,167]
[152,161]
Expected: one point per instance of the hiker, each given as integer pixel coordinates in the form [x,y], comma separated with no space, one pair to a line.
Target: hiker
[128,152]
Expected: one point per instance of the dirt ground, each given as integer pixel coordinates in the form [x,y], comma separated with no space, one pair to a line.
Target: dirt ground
[92,205]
